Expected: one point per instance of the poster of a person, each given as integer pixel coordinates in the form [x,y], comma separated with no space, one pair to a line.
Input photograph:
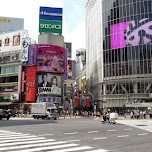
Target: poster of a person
[7,41]
[44,82]
[16,40]
[54,82]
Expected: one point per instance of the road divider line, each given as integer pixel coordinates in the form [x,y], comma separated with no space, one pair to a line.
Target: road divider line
[143,134]
[129,129]
[92,132]
[71,133]
[111,130]
[123,136]
[7,135]
[100,138]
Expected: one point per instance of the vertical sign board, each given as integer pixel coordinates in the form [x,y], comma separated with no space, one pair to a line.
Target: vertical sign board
[31,84]
[50,20]
[68,46]
[24,50]
[32,54]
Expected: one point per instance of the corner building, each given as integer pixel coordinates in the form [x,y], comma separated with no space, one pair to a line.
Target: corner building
[124,53]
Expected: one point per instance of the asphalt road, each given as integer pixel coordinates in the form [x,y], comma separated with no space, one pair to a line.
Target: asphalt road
[82,135]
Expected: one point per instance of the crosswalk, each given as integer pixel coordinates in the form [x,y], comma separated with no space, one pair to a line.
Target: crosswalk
[19,142]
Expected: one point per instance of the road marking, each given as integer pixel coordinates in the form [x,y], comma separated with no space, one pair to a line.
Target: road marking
[143,134]
[33,145]
[111,130]
[28,139]
[99,150]
[71,133]
[48,147]
[123,136]
[73,149]
[72,140]
[26,142]
[100,138]
[3,138]
[92,132]
[7,135]
[129,129]
[45,135]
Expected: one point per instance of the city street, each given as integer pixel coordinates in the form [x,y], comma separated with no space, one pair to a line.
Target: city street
[82,135]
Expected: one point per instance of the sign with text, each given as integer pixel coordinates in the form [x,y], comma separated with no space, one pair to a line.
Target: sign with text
[50,26]
[31,84]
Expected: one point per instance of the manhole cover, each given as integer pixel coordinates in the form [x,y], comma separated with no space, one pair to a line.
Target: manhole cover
[141,125]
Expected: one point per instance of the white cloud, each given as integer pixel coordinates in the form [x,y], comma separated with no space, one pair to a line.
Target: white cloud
[77,37]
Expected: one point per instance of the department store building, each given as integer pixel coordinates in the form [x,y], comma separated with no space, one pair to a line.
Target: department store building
[119,53]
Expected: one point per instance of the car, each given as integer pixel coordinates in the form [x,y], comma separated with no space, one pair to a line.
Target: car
[4,114]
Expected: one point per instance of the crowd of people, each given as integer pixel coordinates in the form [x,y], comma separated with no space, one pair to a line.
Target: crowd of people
[139,114]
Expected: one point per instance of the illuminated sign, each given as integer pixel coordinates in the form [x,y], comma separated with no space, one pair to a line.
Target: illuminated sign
[5,20]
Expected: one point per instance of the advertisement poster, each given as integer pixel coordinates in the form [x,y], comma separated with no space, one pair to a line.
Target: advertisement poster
[129,33]
[69,69]
[68,46]
[49,84]
[50,58]
[32,54]
[11,41]
[31,84]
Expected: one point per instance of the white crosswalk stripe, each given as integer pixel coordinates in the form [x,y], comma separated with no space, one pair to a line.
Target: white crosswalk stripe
[19,142]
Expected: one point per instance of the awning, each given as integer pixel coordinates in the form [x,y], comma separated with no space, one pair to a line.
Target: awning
[5,103]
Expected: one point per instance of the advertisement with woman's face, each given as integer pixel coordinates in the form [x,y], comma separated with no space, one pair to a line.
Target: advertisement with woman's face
[50,58]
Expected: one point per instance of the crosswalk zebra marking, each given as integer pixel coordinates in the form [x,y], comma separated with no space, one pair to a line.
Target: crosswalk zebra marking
[28,139]
[33,145]
[47,148]
[14,142]
[26,142]
[73,149]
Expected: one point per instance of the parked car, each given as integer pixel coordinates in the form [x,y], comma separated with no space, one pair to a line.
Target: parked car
[4,114]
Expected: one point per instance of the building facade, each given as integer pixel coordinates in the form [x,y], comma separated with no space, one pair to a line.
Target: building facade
[125,52]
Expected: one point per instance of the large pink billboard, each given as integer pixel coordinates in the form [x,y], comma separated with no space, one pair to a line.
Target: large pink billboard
[118,34]
[131,33]
[50,58]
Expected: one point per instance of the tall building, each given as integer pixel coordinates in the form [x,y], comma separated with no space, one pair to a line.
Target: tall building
[119,52]
[9,24]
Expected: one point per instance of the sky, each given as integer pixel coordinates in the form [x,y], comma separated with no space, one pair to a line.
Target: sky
[73,18]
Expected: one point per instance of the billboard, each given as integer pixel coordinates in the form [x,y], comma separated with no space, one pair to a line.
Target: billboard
[9,24]
[68,46]
[31,84]
[131,33]
[24,51]
[49,84]
[32,54]
[50,20]
[50,26]
[50,58]
[50,13]
[69,69]
[11,41]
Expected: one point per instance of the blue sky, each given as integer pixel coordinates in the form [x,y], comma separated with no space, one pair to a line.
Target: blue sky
[73,17]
